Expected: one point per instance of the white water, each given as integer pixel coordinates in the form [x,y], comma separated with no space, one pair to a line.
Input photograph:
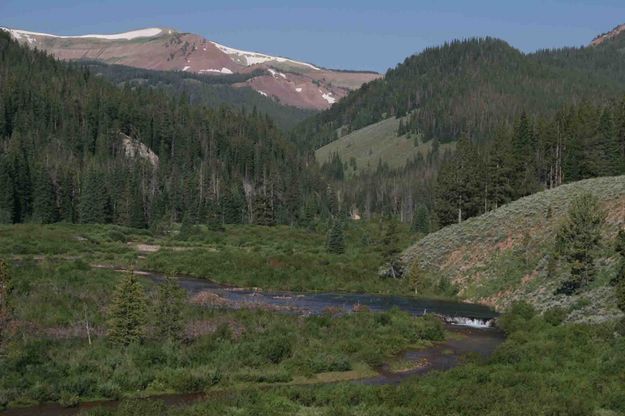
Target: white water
[470,322]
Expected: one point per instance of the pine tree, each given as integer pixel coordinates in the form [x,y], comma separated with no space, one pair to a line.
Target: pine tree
[610,161]
[6,304]
[187,228]
[136,207]
[578,238]
[169,306]
[620,250]
[524,164]
[336,241]
[390,248]
[7,194]
[457,194]
[421,220]
[94,206]
[128,312]
[45,210]
[263,211]
[233,206]
[213,217]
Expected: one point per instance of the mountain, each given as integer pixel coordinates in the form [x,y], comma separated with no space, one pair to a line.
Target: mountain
[209,90]
[473,86]
[290,82]
[508,254]
[76,148]
[609,35]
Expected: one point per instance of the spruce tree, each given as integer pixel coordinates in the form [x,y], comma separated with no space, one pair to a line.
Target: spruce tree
[45,210]
[421,220]
[609,159]
[233,205]
[128,312]
[169,306]
[263,211]
[94,207]
[213,216]
[136,207]
[578,239]
[336,241]
[6,304]
[390,248]
[457,193]
[619,279]
[7,194]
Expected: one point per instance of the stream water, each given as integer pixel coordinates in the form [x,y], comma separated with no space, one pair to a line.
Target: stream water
[471,326]
[459,313]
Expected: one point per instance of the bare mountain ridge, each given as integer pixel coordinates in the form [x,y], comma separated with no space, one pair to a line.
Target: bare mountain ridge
[288,81]
[609,35]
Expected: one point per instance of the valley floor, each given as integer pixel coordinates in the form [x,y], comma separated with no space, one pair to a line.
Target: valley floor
[252,361]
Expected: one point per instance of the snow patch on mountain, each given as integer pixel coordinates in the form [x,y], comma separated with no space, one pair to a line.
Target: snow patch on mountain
[223,70]
[262,93]
[134,34]
[276,74]
[328,97]
[252,58]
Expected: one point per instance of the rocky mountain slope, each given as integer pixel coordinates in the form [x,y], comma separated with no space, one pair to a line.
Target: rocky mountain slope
[609,35]
[508,254]
[289,82]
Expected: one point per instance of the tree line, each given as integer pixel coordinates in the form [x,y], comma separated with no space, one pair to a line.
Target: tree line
[63,156]
[578,142]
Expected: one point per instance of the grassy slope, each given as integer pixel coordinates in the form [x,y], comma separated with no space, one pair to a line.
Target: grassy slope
[376,142]
[506,254]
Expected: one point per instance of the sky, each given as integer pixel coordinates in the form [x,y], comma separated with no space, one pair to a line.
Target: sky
[344,34]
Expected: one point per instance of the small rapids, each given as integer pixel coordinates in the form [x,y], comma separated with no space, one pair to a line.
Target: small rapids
[470,322]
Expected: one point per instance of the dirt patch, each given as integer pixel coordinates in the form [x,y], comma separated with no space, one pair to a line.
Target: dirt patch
[147,248]
[197,329]
[209,299]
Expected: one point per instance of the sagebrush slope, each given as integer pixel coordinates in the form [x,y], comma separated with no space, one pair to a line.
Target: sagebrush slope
[507,254]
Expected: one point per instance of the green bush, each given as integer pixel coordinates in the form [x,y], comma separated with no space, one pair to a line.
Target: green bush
[555,316]
[68,399]
[516,317]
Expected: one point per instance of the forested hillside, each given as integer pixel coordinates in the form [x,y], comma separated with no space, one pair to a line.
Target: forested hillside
[473,86]
[209,90]
[520,123]
[76,148]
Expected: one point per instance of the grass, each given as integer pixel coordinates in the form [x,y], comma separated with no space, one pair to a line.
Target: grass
[278,257]
[49,358]
[541,369]
[507,254]
[376,142]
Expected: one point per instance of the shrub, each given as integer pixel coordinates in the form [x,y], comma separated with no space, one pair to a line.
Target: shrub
[275,349]
[116,235]
[67,399]
[324,362]
[555,316]
[516,317]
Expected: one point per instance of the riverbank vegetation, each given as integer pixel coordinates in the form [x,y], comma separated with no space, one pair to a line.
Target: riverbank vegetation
[67,341]
[277,257]
[543,368]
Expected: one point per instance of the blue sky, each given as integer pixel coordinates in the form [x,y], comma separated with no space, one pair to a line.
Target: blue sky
[347,34]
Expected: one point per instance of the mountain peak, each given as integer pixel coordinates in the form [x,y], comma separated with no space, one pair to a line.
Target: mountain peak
[133,34]
[609,35]
[288,81]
